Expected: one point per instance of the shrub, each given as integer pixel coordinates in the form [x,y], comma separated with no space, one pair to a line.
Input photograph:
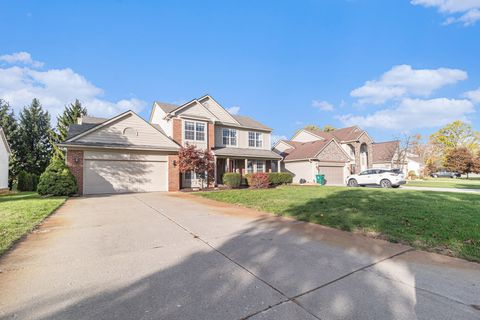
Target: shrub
[35,180]
[278,178]
[28,182]
[259,180]
[412,175]
[232,179]
[57,180]
[22,183]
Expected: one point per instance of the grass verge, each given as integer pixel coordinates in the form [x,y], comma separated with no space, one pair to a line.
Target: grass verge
[443,222]
[21,212]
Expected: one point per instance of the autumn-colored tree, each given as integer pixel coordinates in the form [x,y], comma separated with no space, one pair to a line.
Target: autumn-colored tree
[454,135]
[461,160]
[328,128]
[199,161]
[312,127]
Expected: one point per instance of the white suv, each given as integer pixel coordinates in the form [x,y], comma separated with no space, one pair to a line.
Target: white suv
[380,177]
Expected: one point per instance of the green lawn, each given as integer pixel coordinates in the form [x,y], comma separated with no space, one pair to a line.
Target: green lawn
[437,221]
[21,212]
[447,183]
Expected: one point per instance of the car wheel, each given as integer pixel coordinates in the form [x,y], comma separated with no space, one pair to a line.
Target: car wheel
[385,183]
[352,183]
[395,187]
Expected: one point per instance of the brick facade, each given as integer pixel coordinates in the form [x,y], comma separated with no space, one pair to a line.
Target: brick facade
[177,131]
[173,173]
[75,163]
[211,136]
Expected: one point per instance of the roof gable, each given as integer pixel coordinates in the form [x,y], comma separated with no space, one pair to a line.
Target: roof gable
[126,129]
[215,108]
[306,135]
[385,151]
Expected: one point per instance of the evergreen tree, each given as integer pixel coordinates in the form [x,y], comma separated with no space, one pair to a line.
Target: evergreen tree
[34,148]
[67,118]
[10,127]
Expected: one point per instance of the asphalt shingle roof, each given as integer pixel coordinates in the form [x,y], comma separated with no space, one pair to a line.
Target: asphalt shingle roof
[246,152]
[384,151]
[303,150]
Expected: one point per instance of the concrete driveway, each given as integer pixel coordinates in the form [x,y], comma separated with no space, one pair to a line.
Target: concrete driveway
[173,256]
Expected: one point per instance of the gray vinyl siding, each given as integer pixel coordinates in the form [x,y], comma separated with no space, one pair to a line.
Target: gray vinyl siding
[242,138]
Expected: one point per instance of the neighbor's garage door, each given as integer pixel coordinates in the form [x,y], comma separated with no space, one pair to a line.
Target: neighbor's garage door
[333,175]
[130,175]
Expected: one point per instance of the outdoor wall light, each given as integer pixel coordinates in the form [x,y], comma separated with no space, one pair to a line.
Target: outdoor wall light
[174,163]
[76,160]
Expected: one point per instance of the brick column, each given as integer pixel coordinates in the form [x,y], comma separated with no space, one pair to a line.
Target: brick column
[211,136]
[177,131]
[173,173]
[75,163]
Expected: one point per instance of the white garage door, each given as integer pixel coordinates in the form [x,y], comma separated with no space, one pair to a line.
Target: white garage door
[116,176]
[333,175]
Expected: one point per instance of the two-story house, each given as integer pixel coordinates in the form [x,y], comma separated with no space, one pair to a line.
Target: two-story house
[238,143]
[128,154]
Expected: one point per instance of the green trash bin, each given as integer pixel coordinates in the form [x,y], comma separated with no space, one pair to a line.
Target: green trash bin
[320,179]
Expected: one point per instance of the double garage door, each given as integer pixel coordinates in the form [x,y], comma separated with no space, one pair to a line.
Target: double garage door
[120,172]
[333,175]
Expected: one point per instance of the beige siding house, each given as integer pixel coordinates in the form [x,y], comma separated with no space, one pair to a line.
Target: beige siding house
[239,143]
[128,154]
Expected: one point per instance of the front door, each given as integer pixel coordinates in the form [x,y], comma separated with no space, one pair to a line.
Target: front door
[220,170]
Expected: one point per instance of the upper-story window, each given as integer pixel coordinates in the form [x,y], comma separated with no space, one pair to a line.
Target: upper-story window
[229,137]
[255,139]
[194,131]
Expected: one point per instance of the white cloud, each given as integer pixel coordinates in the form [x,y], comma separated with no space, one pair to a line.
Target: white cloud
[57,87]
[21,58]
[473,95]
[322,105]
[233,110]
[459,11]
[414,114]
[275,138]
[403,80]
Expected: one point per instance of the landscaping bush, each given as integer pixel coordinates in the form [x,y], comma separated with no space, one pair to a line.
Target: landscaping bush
[35,180]
[259,180]
[412,175]
[57,180]
[232,180]
[278,178]
[22,183]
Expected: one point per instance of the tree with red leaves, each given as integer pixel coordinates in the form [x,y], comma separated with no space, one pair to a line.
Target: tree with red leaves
[202,162]
[461,160]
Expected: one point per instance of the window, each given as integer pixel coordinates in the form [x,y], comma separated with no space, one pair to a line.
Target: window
[229,137]
[189,130]
[250,166]
[260,166]
[194,131]
[200,131]
[188,175]
[255,139]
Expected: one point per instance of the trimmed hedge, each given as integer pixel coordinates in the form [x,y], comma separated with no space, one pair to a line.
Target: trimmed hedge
[274,179]
[232,180]
[278,178]
[57,180]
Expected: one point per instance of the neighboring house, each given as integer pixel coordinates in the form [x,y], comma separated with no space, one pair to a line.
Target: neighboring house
[4,158]
[360,150]
[239,144]
[127,154]
[121,154]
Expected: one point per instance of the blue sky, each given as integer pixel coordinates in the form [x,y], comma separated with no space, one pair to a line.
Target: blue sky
[389,66]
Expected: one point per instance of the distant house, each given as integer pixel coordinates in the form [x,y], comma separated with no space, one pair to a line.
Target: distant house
[4,158]
[337,154]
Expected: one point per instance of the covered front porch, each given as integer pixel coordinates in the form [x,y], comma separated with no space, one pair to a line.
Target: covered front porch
[243,166]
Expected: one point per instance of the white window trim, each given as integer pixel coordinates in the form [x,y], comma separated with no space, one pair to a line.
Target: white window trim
[205,128]
[260,135]
[254,164]
[236,138]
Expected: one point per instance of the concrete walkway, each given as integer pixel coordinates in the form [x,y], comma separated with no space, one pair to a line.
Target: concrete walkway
[164,256]
[473,191]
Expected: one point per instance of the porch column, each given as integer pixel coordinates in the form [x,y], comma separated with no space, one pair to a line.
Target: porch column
[278,166]
[215,171]
[246,167]
[227,165]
